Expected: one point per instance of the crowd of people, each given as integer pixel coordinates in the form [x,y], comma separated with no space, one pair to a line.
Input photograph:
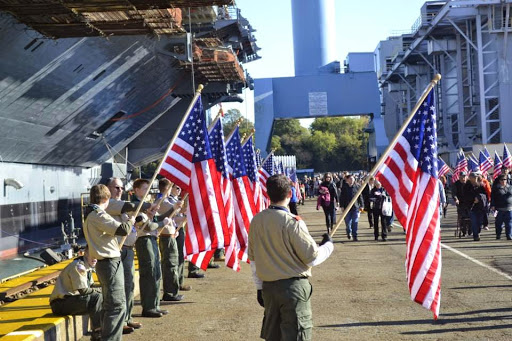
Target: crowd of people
[334,192]
[476,196]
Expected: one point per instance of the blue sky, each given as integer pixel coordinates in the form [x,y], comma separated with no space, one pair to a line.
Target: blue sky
[360,25]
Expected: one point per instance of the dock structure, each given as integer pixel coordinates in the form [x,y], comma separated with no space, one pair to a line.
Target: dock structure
[469,42]
[359,293]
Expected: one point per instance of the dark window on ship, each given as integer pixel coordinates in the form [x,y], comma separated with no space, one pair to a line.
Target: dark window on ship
[98,132]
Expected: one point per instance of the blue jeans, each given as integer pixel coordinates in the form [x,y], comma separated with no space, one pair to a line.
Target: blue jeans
[504,217]
[477,219]
[351,220]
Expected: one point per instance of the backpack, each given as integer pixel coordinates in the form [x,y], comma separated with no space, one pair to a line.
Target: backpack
[325,196]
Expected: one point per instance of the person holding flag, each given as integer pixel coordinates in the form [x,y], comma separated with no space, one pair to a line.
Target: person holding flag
[282,253]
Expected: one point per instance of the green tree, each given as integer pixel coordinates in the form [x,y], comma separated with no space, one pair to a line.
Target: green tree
[231,117]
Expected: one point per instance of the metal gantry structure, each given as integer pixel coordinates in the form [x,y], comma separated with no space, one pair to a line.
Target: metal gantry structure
[469,43]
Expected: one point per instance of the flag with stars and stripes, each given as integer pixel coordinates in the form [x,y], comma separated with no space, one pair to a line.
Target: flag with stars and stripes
[219,153]
[409,174]
[259,161]
[279,168]
[242,193]
[507,158]
[190,165]
[498,165]
[461,166]
[485,161]
[266,171]
[252,173]
[443,167]
[473,165]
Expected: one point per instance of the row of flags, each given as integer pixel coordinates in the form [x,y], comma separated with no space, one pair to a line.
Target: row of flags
[483,164]
[225,179]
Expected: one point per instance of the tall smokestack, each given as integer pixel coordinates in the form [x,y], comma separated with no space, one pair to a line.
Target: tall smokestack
[314,35]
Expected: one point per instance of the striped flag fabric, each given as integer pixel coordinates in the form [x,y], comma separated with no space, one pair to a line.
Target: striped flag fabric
[443,167]
[259,161]
[462,166]
[190,165]
[410,175]
[485,161]
[242,194]
[507,158]
[218,147]
[252,173]
[265,172]
[498,164]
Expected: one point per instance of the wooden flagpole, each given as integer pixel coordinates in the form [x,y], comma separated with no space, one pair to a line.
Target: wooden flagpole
[244,140]
[383,157]
[157,170]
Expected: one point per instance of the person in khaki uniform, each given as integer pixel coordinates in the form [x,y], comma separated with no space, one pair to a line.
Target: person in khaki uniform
[119,210]
[73,295]
[282,252]
[101,231]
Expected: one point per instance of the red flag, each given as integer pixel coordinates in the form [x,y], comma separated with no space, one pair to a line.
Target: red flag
[410,174]
[252,173]
[266,171]
[190,165]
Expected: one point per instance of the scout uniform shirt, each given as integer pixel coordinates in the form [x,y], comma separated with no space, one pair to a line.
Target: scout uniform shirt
[280,245]
[76,275]
[165,206]
[99,231]
[114,208]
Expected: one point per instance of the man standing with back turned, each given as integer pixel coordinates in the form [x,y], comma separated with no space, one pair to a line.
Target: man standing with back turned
[282,253]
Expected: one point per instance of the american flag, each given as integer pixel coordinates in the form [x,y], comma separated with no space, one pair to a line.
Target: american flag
[498,164]
[259,161]
[216,136]
[279,168]
[473,165]
[242,193]
[485,161]
[443,167]
[190,165]
[410,174]
[266,170]
[252,173]
[507,158]
[462,166]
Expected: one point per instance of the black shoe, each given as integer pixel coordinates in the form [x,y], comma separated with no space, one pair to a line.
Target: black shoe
[213,266]
[349,236]
[128,330]
[498,237]
[476,239]
[195,275]
[151,313]
[355,239]
[376,238]
[384,240]
[509,238]
[163,311]
[171,298]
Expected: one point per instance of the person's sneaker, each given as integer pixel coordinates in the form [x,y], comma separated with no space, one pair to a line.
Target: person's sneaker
[163,311]
[349,236]
[185,288]
[195,275]
[213,266]
[486,228]
[170,298]
[151,313]
[128,330]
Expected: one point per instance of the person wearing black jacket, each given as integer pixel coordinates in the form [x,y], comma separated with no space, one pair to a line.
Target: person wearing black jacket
[501,201]
[462,204]
[366,198]
[351,219]
[330,212]
[475,196]
[377,197]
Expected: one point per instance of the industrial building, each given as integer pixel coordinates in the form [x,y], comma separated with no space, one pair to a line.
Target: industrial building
[469,42]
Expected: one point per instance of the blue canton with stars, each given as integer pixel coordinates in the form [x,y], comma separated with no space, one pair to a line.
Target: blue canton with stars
[218,148]
[422,136]
[235,156]
[269,166]
[195,134]
[250,161]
